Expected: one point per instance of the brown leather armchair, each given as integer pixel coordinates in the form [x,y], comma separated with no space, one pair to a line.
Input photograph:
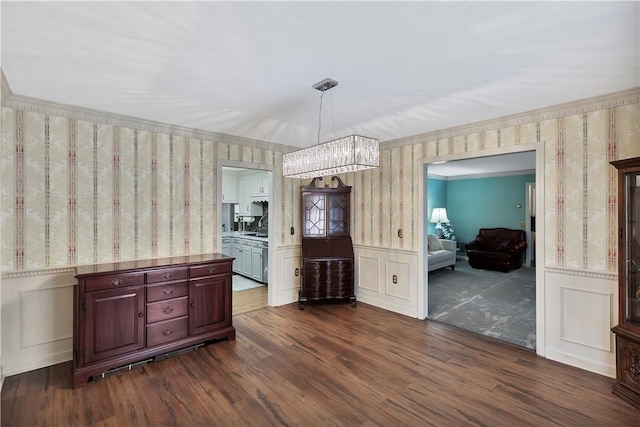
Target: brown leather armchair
[497,249]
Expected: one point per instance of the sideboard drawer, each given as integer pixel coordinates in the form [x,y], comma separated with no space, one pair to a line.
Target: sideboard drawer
[163,332]
[166,291]
[165,310]
[210,269]
[167,274]
[115,281]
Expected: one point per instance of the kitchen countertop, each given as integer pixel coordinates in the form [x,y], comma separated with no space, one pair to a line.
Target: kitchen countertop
[244,235]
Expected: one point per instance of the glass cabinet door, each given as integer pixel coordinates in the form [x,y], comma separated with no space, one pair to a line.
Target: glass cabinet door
[632,248]
[338,211]
[314,215]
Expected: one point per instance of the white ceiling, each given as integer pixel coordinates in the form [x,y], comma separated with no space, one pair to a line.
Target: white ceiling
[246,68]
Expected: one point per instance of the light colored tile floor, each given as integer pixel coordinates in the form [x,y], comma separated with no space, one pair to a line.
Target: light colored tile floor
[241,283]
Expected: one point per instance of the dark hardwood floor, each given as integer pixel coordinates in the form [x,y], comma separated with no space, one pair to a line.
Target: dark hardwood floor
[328,365]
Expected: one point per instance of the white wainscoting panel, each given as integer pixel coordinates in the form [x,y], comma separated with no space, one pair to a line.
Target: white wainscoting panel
[581,308]
[368,270]
[38,307]
[583,314]
[285,283]
[375,269]
[398,279]
[37,320]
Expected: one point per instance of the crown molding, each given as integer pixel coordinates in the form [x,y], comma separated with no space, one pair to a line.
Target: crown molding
[5,89]
[601,102]
[41,106]
[36,105]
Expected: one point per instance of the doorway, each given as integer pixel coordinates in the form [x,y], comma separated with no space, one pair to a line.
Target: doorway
[244,208]
[496,304]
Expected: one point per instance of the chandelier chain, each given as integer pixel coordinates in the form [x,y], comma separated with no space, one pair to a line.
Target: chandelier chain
[320,117]
[333,123]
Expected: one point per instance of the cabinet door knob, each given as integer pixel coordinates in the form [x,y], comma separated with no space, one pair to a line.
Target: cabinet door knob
[140,314]
[116,282]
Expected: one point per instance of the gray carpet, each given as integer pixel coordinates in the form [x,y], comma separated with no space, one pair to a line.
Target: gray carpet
[496,304]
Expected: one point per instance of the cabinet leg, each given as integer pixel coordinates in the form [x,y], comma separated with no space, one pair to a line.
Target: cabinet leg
[353,301]
[301,300]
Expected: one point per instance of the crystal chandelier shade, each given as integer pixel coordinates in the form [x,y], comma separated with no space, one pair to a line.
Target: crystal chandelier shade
[349,154]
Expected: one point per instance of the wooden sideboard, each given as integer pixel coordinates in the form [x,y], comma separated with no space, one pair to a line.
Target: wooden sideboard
[130,312]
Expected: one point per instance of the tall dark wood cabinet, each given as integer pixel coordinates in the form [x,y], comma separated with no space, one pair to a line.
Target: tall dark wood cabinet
[327,250]
[136,311]
[627,385]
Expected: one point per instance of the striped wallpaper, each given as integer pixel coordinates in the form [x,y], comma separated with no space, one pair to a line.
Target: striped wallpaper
[78,192]
[81,190]
[580,194]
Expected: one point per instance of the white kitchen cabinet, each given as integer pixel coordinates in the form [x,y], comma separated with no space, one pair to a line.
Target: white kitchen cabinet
[245,252]
[265,183]
[229,188]
[259,186]
[256,261]
[236,252]
[226,246]
[248,254]
[246,207]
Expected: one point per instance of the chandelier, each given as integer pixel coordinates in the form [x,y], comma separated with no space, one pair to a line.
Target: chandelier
[348,154]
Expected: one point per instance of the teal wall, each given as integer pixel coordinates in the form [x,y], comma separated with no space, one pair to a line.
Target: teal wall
[480,203]
[436,198]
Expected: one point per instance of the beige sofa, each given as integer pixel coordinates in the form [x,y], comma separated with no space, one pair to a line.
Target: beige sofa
[441,253]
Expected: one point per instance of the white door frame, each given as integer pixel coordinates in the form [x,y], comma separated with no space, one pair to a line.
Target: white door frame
[529,208]
[423,276]
[273,199]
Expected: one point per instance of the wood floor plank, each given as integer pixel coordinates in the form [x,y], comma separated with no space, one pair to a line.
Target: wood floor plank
[249,300]
[328,365]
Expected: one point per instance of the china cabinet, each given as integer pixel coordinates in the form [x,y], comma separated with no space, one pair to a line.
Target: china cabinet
[136,311]
[327,250]
[627,385]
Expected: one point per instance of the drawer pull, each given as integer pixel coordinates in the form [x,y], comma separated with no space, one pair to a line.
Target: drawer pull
[167,310]
[168,291]
[211,270]
[168,275]
[167,332]
[116,282]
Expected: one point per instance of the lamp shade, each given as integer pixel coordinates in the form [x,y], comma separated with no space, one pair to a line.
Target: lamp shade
[439,215]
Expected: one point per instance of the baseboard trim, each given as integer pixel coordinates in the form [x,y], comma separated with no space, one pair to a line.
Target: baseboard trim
[386,306]
[578,362]
[33,364]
